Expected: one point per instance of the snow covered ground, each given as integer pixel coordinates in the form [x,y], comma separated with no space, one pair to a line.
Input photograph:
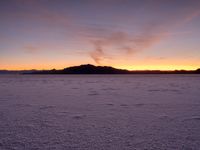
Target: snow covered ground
[100,112]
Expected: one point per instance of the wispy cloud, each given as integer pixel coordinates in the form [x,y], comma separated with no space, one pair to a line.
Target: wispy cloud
[31,48]
[127,44]
[149,35]
[33,11]
[100,24]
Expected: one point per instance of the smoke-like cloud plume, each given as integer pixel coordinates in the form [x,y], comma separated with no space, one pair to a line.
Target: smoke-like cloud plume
[127,44]
[130,44]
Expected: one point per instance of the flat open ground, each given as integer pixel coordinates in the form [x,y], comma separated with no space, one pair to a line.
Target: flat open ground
[96,112]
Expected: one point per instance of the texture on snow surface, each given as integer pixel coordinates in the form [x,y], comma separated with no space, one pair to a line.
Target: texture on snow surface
[92,112]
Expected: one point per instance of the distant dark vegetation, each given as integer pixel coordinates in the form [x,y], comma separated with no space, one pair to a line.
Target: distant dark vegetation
[91,69]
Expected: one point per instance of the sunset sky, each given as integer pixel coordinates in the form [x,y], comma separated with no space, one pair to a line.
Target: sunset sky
[129,34]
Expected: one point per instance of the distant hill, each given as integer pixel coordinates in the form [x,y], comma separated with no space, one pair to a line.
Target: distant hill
[9,72]
[16,71]
[198,70]
[85,69]
[91,69]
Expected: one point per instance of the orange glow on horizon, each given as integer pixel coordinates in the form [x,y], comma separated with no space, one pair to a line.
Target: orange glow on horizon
[127,67]
[163,68]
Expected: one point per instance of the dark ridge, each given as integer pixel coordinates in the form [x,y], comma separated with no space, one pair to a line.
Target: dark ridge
[198,70]
[91,69]
[85,69]
[17,71]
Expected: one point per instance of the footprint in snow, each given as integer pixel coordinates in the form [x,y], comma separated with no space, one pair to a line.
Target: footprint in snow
[110,104]
[93,93]
[46,107]
[78,116]
[139,105]
[195,118]
[124,105]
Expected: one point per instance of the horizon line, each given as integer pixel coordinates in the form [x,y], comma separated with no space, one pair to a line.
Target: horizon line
[100,66]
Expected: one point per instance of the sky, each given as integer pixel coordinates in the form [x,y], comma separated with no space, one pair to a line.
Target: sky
[127,34]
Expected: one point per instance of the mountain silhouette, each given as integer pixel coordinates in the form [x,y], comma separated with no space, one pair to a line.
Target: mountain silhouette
[91,69]
[198,71]
[85,69]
